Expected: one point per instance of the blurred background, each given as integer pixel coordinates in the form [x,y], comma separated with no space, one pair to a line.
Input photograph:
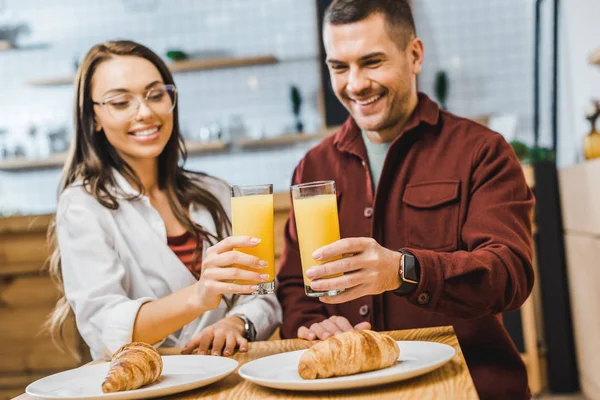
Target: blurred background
[254,96]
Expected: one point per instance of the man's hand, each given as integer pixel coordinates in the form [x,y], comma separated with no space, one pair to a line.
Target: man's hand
[332,326]
[368,269]
[227,334]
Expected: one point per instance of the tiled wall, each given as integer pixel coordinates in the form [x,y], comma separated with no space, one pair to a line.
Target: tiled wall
[61,31]
[485,46]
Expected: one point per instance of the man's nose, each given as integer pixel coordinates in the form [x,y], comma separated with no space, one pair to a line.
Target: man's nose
[357,81]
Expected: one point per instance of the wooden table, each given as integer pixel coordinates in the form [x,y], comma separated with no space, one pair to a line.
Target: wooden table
[451,381]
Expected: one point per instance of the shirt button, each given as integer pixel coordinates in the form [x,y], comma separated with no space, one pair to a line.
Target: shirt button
[363,310]
[423,298]
[369,212]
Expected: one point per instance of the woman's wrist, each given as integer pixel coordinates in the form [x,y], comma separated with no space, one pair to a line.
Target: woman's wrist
[194,304]
[238,323]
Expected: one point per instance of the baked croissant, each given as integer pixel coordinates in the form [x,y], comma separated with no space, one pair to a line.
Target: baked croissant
[348,353]
[132,366]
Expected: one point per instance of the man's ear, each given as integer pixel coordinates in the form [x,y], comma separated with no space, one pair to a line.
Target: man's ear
[416,53]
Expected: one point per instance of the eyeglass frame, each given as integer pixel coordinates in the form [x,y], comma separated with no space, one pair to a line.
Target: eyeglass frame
[139,103]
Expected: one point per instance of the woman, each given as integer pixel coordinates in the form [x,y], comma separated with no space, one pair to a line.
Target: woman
[131,224]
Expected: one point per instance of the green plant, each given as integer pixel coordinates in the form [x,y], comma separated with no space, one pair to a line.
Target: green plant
[177,55]
[296,99]
[527,154]
[441,88]
[543,154]
[522,150]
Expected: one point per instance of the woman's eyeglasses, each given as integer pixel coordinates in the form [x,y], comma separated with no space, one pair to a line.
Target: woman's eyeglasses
[124,107]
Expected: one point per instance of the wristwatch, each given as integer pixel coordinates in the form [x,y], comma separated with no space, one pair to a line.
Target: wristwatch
[409,273]
[249,330]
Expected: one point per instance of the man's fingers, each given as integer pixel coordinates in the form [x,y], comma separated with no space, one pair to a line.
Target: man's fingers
[319,331]
[361,326]
[342,323]
[345,296]
[303,332]
[341,247]
[345,281]
[232,242]
[330,329]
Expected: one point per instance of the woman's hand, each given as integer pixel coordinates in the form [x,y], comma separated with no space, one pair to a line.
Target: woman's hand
[219,273]
[224,336]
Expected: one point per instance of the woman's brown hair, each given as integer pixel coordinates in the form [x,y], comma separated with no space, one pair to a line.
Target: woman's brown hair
[91,159]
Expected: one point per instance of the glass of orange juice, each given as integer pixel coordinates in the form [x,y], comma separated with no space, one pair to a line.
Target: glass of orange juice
[315,209]
[252,215]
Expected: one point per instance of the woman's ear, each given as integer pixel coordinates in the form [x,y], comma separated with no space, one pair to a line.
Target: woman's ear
[97,126]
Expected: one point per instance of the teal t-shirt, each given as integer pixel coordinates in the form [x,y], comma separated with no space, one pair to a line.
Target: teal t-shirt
[376,154]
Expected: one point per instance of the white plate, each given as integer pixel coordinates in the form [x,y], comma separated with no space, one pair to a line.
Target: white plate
[180,373]
[280,371]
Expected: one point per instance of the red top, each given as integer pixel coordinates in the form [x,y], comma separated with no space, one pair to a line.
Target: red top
[184,247]
[454,195]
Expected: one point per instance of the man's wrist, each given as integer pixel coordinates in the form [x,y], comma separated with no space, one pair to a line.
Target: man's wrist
[395,281]
[408,273]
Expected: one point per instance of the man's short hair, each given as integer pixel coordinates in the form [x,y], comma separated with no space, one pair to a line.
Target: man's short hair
[397,13]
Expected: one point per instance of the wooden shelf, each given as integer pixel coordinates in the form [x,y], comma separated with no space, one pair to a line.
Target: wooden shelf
[279,140]
[199,65]
[66,80]
[206,147]
[180,66]
[24,164]
[5,45]
[58,160]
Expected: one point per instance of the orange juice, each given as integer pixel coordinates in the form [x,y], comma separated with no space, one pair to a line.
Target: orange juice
[317,225]
[253,216]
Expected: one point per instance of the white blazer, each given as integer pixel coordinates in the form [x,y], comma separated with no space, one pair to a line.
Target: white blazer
[113,261]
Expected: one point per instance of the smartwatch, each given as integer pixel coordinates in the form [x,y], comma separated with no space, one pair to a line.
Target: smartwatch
[408,272]
[249,330]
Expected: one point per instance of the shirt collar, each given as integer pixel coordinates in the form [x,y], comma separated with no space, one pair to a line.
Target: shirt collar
[348,138]
[123,188]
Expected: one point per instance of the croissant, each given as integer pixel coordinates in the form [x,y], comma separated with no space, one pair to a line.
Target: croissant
[348,353]
[132,366]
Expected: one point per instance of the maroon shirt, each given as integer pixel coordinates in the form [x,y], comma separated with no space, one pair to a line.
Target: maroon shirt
[453,193]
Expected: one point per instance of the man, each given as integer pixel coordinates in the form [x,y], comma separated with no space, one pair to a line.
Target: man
[434,210]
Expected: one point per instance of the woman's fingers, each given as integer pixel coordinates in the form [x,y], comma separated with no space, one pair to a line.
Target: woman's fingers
[230,343]
[236,257]
[218,342]
[227,287]
[234,274]
[242,343]
[205,338]
[232,242]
